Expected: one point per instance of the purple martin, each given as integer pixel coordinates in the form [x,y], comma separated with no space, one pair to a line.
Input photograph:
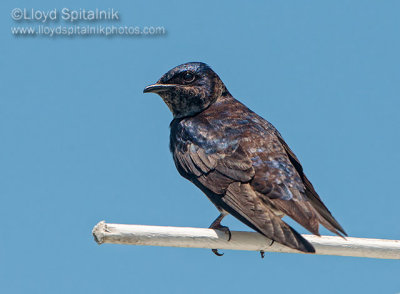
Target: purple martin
[238,159]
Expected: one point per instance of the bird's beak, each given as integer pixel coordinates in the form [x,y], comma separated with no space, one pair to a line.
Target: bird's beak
[156,88]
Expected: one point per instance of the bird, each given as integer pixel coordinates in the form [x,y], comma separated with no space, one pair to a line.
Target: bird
[238,159]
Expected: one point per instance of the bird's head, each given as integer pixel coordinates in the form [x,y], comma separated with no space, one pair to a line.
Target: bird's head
[188,88]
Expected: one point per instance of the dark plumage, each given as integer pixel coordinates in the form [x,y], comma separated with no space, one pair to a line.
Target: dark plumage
[238,159]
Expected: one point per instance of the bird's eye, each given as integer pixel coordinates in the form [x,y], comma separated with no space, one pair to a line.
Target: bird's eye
[188,77]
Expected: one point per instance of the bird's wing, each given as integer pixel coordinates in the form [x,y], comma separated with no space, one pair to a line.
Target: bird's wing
[215,170]
[233,174]
[246,205]
[324,215]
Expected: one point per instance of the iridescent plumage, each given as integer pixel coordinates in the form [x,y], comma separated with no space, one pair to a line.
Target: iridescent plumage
[238,159]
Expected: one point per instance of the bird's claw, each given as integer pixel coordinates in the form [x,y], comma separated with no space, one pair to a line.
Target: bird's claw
[262,252]
[216,225]
[215,251]
[224,229]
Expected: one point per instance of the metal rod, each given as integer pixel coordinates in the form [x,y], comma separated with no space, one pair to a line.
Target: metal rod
[209,238]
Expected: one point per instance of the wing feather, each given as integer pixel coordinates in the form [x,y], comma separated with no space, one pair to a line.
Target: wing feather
[325,217]
[247,206]
[256,178]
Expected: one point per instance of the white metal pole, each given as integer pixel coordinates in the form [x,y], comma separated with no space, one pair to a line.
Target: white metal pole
[208,238]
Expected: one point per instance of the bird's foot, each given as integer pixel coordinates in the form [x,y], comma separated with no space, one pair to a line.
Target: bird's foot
[262,252]
[215,251]
[216,225]
[226,231]
[223,229]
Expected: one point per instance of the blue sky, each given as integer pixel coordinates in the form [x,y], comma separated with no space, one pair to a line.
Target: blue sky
[80,142]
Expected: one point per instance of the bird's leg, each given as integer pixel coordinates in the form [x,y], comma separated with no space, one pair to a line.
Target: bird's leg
[217,226]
